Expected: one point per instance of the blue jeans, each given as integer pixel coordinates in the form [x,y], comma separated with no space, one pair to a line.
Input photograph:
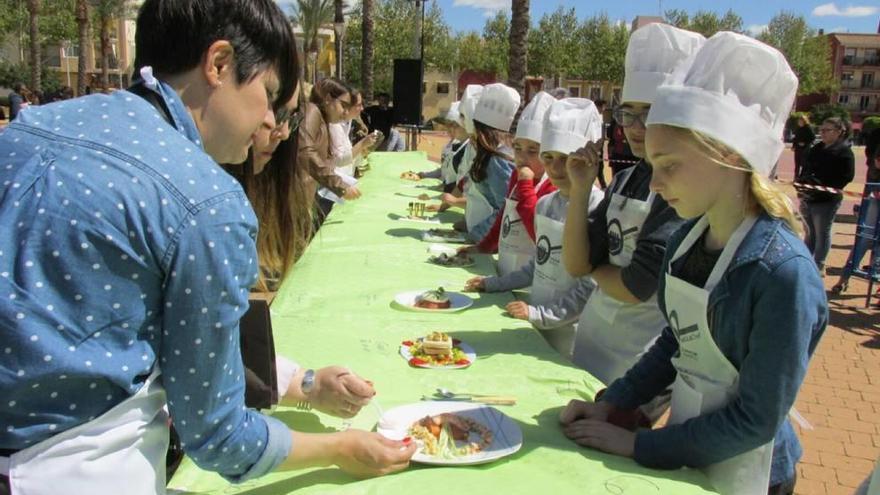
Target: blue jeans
[819,218]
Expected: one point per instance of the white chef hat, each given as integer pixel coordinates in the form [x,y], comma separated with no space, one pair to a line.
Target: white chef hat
[497,106]
[738,91]
[532,118]
[468,104]
[453,115]
[569,124]
[656,55]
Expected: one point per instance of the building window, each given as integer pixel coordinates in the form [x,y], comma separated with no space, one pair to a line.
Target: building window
[849,56]
[867,80]
[843,99]
[864,100]
[595,93]
[574,91]
[442,88]
[615,97]
[871,56]
[424,88]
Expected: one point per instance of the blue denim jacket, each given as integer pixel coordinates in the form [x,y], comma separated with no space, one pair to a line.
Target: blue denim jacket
[125,247]
[766,315]
[494,188]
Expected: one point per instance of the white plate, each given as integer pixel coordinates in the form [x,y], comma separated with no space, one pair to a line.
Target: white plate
[457,301]
[506,438]
[460,238]
[466,349]
[434,260]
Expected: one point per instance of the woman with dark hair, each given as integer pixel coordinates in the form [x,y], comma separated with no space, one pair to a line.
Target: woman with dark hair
[329,103]
[830,163]
[493,163]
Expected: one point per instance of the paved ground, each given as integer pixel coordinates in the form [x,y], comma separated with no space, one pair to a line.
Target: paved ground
[841,394]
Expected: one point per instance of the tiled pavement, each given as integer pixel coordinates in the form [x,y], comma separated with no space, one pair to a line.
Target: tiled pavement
[841,394]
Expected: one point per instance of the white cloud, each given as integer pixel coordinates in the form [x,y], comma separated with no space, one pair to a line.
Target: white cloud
[831,9]
[838,29]
[489,7]
[756,29]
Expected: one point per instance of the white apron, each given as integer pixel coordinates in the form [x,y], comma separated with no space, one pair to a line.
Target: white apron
[706,380]
[122,451]
[447,169]
[478,208]
[551,281]
[515,247]
[612,334]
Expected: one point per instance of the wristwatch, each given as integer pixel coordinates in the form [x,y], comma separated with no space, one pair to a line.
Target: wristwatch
[308,382]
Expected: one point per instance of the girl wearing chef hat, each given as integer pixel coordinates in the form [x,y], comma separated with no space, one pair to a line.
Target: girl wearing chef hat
[740,291]
[447,172]
[493,161]
[623,243]
[556,299]
[513,233]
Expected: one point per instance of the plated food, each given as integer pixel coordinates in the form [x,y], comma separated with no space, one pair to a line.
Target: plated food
[457,260]
[444,235]
[433,299]
[450,435]
[453,433]
[437,350]
[410,175]
[436,300]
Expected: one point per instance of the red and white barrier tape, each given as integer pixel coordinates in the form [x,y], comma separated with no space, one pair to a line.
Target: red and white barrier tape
[851,194]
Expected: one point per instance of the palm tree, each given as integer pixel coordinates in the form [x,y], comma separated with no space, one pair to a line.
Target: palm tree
[107,11]
[367,48]
[518,52]
[310,15]
[33,7]
[82,23]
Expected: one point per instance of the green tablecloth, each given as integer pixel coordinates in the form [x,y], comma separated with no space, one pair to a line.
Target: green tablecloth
[335,309]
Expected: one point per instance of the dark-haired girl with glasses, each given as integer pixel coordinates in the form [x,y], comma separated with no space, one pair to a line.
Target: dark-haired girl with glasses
[622,243]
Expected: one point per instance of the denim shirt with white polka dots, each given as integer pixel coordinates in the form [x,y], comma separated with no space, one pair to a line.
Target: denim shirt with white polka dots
[123,246]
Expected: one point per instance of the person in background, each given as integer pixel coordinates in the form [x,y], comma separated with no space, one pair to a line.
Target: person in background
[328,103]
[447,172]
[493,163]
[556,299]
[620,155]
[829,163]
[801,142]
[380,117]
[134,233]
[622,244]
[349,155]
[745,306]
[513,233]
[17,100]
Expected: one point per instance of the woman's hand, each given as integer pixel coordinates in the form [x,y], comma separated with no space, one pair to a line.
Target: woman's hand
[365,454]
[339,392]
[518,310]
[475,285]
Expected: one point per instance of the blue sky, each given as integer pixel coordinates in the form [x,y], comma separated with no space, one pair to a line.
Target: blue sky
[859,17]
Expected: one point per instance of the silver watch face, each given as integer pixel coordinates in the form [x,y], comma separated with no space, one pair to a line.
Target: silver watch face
[308,381]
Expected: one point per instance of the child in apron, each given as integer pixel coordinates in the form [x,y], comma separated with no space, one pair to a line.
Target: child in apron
[744,302]
[493,162]
[464,156]
[556,298]
[623,243]
[513,233]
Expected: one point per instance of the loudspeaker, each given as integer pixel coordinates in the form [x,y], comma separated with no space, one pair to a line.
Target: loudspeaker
[407,91]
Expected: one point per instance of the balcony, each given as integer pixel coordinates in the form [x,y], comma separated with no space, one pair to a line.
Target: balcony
[859,85]
[859,109]
[861,61]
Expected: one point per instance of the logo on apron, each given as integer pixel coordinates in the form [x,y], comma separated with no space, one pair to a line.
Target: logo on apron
[506,225]
[683,334]
[543,250]
[616,234]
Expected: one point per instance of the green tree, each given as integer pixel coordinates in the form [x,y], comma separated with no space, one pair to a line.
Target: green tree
[310,15]
[602,50]
[496,39]
[808,54]
[554,51]
[393,32]
[705,22]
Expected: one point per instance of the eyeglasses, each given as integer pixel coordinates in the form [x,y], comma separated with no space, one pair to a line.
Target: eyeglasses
[824,130]
[627,118]
[292,119]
